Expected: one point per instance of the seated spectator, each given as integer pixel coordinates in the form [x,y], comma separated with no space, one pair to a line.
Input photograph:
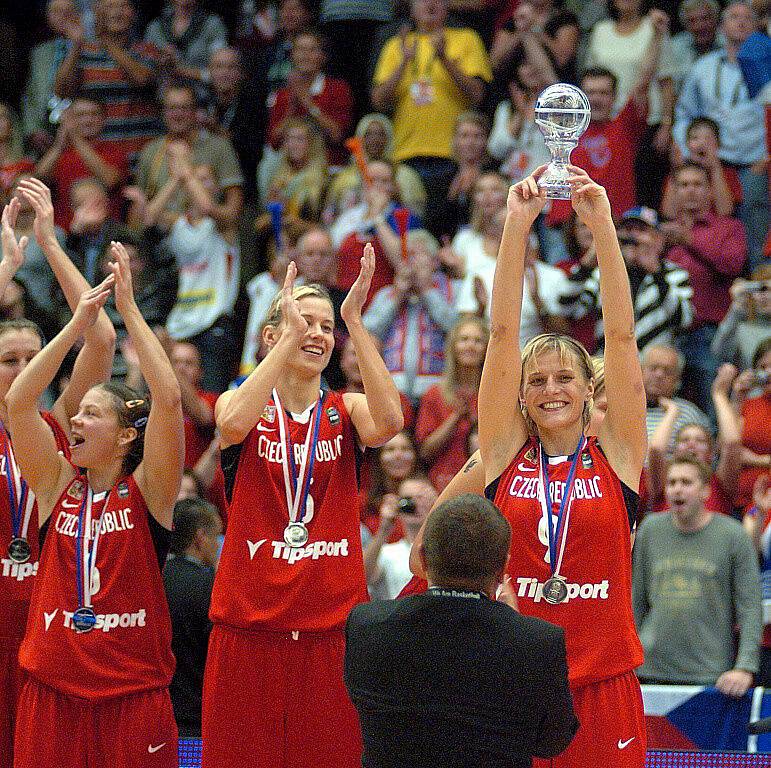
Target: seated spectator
[186,144]
[747,322]
[694,577]
[428,77]
[209,262]
[188,579]
[190,487]
[391,464]
[448,410]
[373,220]
[387,565]
[662,367]
[661,292]
[469,144]
[233,111]
[186,36]
[752,394]
[39,104]
[581,262]
[697,440]
[13,160]
[300,174]
[311,95]
[703,143]
[118,70]
[475,246]
[412,316]
[713,250]
[515,139]
[197,404]
[547,39]
[740,118]
[756,523]
[79,152]
[700,20]
[376,133]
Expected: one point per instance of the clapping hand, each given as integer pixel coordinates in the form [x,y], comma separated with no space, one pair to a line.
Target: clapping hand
[13,249]
[121,272]
[290,307]
[350,311]
[91,301]
[38,195]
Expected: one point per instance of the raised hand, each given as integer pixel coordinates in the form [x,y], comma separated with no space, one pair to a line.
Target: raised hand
[408,49]
[13,249]
[526,199]
[290,308]
[724,379]
[121,272]
[590,201]
[38,195]
[91,301]
[350,311]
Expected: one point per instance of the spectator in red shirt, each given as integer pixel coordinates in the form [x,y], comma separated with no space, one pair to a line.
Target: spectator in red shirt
[448,410]
[197,405]
[702,140]
[713,250]
[79,152]
[310,94]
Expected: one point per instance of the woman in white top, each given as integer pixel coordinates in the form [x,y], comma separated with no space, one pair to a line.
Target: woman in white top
[209,270]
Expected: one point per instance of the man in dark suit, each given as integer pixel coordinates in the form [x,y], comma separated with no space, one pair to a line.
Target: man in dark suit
[188,578]
[453,678]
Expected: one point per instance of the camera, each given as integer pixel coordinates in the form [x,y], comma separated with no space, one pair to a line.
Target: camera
[406,506]
[760,378]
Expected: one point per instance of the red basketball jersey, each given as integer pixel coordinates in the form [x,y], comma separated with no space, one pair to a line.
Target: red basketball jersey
[129,649]
[263,583]
[17,579]
[597,615]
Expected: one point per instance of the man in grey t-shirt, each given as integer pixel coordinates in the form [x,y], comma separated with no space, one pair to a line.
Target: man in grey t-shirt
[694,576]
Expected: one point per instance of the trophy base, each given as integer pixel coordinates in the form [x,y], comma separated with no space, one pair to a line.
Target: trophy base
[555,190]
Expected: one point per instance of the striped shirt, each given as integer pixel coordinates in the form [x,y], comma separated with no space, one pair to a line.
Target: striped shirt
[662,303]
[132,112]
[350,10]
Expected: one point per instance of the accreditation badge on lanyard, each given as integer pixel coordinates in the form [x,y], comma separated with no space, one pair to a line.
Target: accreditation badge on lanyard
[422,91]
[86,545]
[297,483]
[21,501]
[555,588]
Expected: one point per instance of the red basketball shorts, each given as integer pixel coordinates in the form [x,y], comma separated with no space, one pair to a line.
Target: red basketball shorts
[277,700]
[612,732]
[11,680]
[134,731]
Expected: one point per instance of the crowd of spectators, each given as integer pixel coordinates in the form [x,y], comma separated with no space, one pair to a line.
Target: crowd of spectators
[220,141]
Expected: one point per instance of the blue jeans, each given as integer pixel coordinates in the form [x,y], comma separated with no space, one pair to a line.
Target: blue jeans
[700,366]
[753,213]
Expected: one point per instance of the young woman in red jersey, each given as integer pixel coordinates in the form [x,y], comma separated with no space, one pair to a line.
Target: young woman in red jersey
[20,341]
[97,651]
[291,567]
[571,499]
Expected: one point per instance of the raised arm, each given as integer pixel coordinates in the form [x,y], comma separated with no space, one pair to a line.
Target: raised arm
[502,428]
[658,449]
[159,474]
[237,411]
[34,444]
[622,435]
[94,362]
[729,464]
[376,414]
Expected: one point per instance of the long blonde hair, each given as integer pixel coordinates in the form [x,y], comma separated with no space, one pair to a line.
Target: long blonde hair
[568,349]
[450,378]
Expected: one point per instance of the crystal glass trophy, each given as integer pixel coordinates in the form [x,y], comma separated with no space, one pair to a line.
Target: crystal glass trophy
[562,114]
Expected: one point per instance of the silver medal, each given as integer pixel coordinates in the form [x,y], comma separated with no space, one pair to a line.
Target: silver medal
[555,590]
[296,535]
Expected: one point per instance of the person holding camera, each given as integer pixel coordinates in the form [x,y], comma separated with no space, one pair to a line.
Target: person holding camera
[388,565]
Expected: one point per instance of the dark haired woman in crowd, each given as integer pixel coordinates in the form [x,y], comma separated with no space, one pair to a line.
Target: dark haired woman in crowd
[97,650]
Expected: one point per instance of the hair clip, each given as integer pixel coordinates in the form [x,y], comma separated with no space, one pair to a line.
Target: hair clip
[134,403]
[140,422]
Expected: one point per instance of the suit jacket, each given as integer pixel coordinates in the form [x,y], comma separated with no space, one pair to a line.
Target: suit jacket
[456,682]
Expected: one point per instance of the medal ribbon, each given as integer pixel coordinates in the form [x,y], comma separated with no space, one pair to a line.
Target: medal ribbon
[85,550]
[18,489]
[560,531]
[297,487]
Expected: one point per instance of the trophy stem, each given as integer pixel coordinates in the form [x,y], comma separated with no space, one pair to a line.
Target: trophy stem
[555,178]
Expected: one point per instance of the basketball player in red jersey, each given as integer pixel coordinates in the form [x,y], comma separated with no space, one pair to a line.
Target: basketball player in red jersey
[20,341]
[97,651]
[292,567]
[570,502]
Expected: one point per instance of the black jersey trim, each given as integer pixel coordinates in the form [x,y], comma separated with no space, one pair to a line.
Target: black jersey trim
[492,488]
[229,459]
[161,537]
[632,504]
